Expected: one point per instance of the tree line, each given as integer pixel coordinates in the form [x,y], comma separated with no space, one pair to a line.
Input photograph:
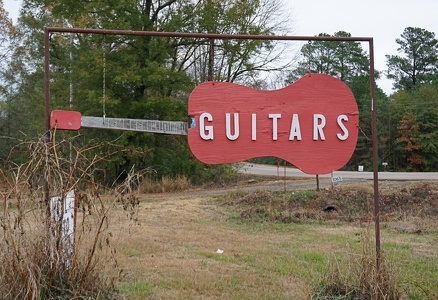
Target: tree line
[406,118]
[152,77]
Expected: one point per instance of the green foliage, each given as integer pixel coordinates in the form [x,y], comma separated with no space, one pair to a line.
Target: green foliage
[151,77]
[10,111]
[348,62]
[420,61]
[136,77]
[235,60]
[360,86]
[421,104]
[343,60]
[408,131]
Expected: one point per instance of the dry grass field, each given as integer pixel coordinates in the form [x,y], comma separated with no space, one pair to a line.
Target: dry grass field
[260,244]
[242,239]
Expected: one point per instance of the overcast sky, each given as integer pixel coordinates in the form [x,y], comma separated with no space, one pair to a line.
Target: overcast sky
[384,20]
[12,7]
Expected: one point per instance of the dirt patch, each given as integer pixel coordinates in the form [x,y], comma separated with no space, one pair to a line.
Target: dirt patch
[351,203]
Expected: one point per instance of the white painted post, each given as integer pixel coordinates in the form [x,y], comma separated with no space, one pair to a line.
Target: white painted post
[64,212]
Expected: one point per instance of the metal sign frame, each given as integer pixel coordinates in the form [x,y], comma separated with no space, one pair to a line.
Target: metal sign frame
[211,37]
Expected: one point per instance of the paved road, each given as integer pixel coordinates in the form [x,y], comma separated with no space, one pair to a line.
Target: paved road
[292,172]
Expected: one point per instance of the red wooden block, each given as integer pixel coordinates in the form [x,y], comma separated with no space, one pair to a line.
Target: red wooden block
[65,120]
[313,123]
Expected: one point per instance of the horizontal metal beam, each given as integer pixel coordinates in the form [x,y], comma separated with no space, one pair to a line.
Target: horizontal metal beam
[207,35]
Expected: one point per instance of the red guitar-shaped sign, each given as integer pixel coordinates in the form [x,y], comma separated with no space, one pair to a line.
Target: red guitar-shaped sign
[313,123]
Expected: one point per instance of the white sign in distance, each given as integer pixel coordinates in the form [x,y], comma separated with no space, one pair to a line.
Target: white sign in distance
[336,179]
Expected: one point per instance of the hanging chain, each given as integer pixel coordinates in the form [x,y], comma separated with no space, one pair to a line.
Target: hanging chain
[364,134]
[104,78]
[309,43]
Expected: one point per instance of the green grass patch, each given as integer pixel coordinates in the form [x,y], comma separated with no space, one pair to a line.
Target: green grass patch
[136,290]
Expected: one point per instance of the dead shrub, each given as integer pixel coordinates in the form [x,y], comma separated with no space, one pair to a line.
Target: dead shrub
[164,185]
[38,258]
[356,276]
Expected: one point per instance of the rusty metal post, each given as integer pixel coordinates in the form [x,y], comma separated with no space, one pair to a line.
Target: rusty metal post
[284,176]
[210,75]
[375,155]
[47,117]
